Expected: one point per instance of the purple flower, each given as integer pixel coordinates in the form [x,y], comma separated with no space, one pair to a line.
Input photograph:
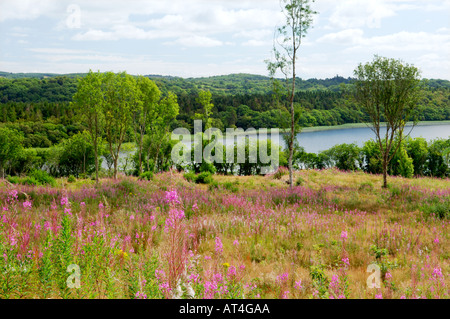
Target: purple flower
[379,296]
[344,235]
[27,204]
[64,201]
[219,246]
[298,285]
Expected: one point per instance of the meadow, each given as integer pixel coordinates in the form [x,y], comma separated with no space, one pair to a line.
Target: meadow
[241,237]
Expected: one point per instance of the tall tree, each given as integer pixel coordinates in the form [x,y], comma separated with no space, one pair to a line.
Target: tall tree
[120,103]
[288,38]
[89,101]
[10,147]
[149,95]
[389,91]
[204,98]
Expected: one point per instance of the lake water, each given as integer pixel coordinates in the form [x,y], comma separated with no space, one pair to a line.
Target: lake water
[314,142]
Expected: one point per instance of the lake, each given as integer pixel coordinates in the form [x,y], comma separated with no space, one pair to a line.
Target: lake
[317,141]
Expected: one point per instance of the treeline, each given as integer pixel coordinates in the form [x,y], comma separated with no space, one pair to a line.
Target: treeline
[415,157]
[238,101]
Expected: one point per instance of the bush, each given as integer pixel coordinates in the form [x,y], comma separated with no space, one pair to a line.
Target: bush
[213,185]
[148,176]
[13,179]
[207,167]
[30,180]
[71,179]
[190,177]
[281,171]
[42,177]
[204,178]
[299,181]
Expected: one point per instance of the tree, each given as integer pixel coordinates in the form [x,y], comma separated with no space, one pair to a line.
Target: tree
[121,101]
[389,91]
[149,94]
[158,126]
[204,98]
[298,14]
[10,147]
[89,101]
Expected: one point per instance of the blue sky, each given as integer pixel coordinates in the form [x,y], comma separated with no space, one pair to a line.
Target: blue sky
[194,38]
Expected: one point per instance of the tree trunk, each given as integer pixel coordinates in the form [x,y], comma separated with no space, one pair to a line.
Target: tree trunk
[115,167]
[385,164]
[140,156]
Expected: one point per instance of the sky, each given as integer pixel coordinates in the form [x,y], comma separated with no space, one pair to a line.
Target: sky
[197,38]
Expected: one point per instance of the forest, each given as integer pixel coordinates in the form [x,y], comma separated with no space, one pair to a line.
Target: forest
[39,105]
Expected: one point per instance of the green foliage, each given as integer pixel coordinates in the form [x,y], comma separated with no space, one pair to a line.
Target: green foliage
[148,176]
[42,177]
[190,176]
[207,167]
[71,179]
[10,147]
[346,157]
[204,178]
[299,181]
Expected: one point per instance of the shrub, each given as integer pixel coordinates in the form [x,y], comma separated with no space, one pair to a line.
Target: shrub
[30,180]
[148,176]
[13,179]
[207,167]
[190,177]
[281,171]
[42,177]
[204,178]
[213,185]
[299,181]
[71,179]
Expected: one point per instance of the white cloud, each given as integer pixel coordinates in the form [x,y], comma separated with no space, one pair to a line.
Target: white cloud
[357,13]
[198,41]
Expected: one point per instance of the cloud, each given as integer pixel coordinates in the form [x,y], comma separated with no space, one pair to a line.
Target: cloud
[357,13]
[197,41]
[25,9]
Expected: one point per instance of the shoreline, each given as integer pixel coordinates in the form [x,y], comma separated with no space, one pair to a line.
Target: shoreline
[328,128]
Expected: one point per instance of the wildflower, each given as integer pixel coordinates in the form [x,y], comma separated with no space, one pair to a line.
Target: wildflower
[172,197]
[64,201]
[436,240]
[194,207]
[344,235]
[388,275]
[231,272]
[285,295]
[236,243]
[298,285]
[67,211]
[403,297]
[226,265]
[100,205]
[219,246]
[437,272]
[26,204]
[379,296]
[82,204]
[207,257]
[346,261]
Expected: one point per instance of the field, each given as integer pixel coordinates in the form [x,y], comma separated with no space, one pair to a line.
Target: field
[243,237]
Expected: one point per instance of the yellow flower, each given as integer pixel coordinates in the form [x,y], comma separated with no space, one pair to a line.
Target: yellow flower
[226,265]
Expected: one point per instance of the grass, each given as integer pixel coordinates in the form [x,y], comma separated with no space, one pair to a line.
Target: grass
[248,236]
